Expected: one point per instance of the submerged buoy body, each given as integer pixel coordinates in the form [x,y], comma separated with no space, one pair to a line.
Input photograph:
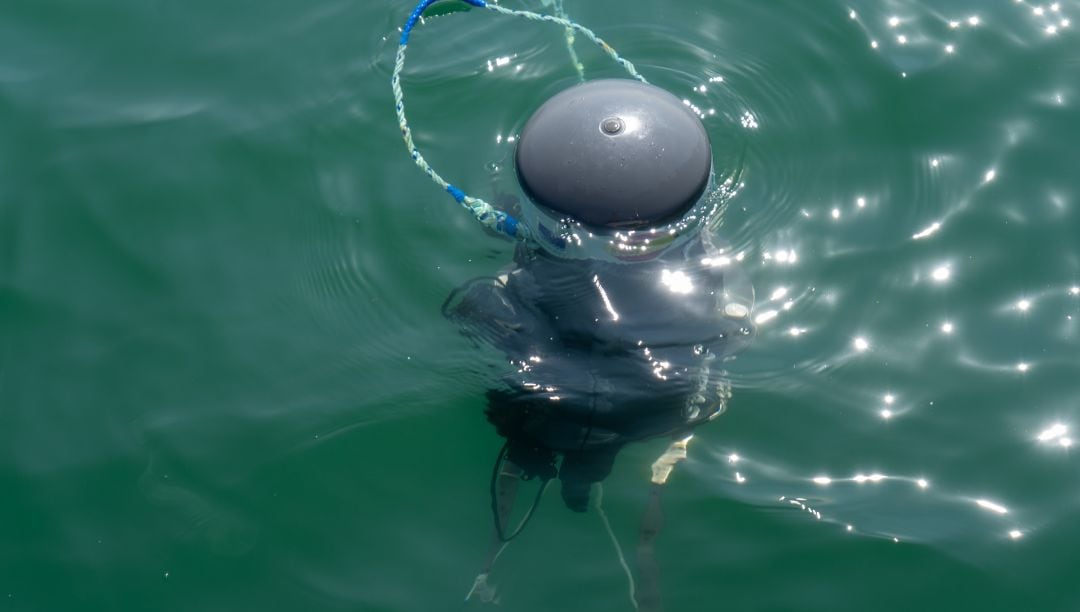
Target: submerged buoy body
[614,316]
[615,153]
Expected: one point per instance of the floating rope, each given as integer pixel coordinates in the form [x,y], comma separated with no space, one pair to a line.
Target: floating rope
[560,12]
[488,216]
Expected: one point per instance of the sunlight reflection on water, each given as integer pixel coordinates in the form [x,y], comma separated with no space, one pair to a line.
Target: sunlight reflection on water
[875,251]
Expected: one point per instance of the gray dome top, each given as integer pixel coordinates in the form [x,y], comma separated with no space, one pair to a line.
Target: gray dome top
[615,153]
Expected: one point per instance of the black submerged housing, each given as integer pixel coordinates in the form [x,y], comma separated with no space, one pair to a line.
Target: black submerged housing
[618,328]
[615,153]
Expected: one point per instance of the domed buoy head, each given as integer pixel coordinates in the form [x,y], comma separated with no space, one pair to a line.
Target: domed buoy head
[615,153]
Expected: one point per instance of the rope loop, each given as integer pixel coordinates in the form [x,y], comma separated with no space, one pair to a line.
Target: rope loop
[488,216]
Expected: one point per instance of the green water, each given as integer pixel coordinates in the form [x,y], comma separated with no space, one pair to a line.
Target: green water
[225,383]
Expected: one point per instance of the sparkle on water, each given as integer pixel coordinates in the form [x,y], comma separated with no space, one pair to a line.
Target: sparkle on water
[939,264]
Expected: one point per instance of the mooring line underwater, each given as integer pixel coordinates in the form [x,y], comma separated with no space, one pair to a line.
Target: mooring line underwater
[560,12]
[488,216]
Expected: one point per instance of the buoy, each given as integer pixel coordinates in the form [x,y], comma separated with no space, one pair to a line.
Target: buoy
[615,153]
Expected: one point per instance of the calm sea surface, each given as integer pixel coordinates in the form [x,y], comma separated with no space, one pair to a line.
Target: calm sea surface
[225,382]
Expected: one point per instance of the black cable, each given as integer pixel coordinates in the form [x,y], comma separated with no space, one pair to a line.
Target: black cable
[499,531]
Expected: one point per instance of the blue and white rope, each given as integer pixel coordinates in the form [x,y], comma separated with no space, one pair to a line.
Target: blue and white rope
[485,213]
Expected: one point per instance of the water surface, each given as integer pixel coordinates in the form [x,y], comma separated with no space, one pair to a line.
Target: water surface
[225,383]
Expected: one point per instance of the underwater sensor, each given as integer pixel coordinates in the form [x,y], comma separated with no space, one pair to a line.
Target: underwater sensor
[613,316]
